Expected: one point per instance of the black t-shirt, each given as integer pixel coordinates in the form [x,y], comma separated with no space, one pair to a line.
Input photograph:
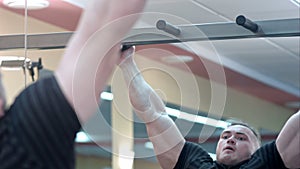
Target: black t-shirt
[39,129]
[194,157]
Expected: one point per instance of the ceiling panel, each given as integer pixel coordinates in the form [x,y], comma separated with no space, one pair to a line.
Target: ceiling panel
[255,9]
[178,12]
[290,43]
[266,58]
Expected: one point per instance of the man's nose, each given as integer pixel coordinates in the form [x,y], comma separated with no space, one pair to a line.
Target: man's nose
[231,140]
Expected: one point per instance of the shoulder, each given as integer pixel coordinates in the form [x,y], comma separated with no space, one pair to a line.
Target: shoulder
[40,116]
[266,157]
[43,104]
[191,147]
[267,149]
[194,155]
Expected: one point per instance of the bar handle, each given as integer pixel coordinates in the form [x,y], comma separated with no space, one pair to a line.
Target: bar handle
[167,27]
[247,23]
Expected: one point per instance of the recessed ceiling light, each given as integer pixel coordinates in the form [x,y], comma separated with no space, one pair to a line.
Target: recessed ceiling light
[196,118]
[31,4]
[82,137]
[107,96]
[149,145]
[177,59]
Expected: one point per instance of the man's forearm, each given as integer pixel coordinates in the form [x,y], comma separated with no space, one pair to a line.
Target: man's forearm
[144,100]
[162,131]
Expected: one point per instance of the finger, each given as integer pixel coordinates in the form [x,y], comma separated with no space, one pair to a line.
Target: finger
[128,52]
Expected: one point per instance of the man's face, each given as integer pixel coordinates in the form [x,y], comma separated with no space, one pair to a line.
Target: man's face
[237,143]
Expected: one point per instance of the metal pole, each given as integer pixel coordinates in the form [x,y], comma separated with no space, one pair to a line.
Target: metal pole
[145,36]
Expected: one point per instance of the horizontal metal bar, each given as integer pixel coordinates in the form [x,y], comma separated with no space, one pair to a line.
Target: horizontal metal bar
[145,36]
[35,41]
[216,31]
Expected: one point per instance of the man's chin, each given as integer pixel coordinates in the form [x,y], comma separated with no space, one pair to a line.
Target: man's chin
[228,160]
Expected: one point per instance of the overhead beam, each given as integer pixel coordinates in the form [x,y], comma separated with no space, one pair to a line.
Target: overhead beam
[145,36]
[35,41]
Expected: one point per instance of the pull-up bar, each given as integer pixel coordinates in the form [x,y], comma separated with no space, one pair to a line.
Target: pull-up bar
[247,23]
[167,33]
[167,27]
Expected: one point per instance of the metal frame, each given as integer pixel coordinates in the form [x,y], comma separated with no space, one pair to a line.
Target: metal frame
[145,36]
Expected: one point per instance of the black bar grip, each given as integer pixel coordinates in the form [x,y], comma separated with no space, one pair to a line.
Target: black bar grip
[125,47]
[247,23]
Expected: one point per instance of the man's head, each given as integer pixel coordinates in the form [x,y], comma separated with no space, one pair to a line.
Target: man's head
[237,143]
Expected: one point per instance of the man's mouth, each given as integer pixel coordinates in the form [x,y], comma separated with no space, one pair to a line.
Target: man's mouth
[228,148]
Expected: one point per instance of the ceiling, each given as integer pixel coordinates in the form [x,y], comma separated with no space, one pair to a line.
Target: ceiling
[266,68]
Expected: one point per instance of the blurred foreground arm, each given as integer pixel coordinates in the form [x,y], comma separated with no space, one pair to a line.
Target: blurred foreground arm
[93,51]
[162,131]
[288,142]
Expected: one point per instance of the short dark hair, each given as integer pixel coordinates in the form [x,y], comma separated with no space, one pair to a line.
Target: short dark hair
[241,123]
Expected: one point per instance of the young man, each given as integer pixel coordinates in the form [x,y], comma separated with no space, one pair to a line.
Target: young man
[238,146]
[39,128]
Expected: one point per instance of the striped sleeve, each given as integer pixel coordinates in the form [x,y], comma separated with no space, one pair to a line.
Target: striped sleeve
[268,156]
[45,125]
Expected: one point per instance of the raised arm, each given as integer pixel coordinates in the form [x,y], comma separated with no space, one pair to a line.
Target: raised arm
[162,131]
[288,142]
[93,51]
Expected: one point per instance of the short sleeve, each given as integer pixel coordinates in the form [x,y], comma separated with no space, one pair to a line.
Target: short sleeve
[266,157]
[193,156]
[45,124]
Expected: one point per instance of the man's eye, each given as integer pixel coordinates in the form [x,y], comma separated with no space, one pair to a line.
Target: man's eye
[241,138]
[225,137]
